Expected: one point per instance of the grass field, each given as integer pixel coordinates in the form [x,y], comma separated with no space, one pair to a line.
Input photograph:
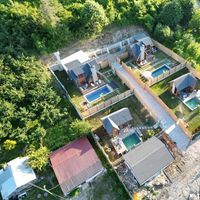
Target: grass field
[192,118]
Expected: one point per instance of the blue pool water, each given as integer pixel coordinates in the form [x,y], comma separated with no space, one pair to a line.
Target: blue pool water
[97,93]
[192,103]
[160,71]
[131,141]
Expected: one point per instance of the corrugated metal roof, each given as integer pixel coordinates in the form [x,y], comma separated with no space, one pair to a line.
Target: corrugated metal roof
[145,39]
[74,163]
[185,81]
[148,159]
[116,119]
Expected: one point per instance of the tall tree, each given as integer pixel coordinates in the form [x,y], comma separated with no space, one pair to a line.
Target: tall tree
[195,22]
[171,15]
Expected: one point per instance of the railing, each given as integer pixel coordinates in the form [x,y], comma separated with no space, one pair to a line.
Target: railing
[95,109]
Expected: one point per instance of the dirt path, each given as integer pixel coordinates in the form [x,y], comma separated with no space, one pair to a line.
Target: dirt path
[108,36]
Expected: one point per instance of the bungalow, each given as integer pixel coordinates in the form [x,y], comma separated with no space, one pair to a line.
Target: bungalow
[137,52]
[15,177]
[141,48]
[148,160]
[145,40]
[183,84]
[74,164]
[82,74]
[116,121]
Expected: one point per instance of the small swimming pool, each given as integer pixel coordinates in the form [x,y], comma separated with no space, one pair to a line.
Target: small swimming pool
[192,103]
[131,141]
[160,71]
[96,94]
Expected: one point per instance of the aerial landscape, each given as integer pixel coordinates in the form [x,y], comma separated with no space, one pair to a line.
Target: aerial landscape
[100,99]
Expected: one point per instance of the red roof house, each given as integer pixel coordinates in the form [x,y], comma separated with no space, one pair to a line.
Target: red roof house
[74,164]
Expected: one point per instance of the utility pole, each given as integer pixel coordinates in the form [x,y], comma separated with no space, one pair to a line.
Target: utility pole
[46,190]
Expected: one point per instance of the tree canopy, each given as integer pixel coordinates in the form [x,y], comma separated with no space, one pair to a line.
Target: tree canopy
[28,102]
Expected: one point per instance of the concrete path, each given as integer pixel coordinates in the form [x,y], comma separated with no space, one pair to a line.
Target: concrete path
[168,124]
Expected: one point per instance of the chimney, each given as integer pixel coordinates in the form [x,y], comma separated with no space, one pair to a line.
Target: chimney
[142,49]
[94,73]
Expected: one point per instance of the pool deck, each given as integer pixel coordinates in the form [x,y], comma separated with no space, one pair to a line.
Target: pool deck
[170,126]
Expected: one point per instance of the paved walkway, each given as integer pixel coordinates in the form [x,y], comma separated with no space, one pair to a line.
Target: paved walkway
[168,124]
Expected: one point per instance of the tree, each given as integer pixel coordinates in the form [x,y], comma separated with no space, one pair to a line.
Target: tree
[88,19]
[171,15]
[38,159]
[149,22]
[28,104]
[9,144]
[163,33]
[80,128]
[195,22]
[188,9]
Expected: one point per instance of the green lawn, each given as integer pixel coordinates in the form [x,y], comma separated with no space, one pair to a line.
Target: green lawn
[192,118]
[140,115]
[71,88]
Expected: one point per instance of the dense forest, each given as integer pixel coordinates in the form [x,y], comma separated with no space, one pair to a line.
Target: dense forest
[31,111]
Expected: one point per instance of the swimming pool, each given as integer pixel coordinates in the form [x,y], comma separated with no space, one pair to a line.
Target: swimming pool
[192,103]
[96,94]
[160,71]
[131,141]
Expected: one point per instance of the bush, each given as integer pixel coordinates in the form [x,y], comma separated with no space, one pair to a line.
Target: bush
[9,144]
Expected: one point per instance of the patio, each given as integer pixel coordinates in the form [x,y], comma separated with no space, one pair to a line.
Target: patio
[118,143]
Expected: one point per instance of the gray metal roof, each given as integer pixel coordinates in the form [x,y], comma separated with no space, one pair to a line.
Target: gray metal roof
[115,119]
[182,82]
[73,64]
[148,159]
[135,48]
[145,39]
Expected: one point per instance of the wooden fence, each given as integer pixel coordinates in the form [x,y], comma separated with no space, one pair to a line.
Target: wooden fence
[98,108]
[166,74]
[169,52]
